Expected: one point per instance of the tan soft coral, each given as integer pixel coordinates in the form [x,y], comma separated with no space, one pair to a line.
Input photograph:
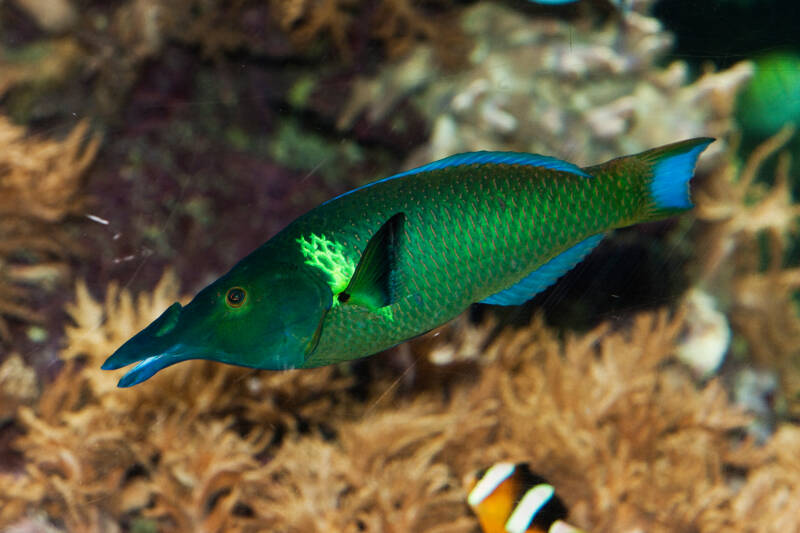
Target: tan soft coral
[623,432]
[628,439]
[767,501]
[74,466]
[737,207]
[18,386]
[401,24]
[41,178]
[744,222]
[55,60]
[387,472]
[40,185]
[201,467]
[629,442]
[307,20]
[397,24]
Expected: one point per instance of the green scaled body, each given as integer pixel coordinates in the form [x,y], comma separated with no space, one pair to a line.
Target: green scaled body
[400,256]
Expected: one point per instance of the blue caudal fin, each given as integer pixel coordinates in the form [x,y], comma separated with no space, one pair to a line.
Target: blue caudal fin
[545,275]
[673,167]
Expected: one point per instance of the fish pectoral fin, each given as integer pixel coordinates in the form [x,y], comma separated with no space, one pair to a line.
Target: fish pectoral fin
[374,282]
[314,342]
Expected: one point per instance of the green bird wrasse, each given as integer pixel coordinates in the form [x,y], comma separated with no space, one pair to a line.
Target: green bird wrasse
[399,256]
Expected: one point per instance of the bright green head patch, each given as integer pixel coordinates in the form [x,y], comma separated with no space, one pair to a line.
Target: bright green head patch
[370,282]
[329,257]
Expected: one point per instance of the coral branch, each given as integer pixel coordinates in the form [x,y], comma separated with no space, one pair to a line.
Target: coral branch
[41,184]
[628,438]
[741,216]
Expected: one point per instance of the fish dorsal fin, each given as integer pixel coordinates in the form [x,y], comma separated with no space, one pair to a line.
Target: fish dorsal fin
[545,275]
[498,158]
[374,282]
[484,158]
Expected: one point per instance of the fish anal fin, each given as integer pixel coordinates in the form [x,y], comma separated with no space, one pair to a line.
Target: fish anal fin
[374,281]
[545,275]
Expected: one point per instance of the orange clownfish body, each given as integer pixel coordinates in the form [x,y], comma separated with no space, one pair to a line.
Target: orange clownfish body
[510,498]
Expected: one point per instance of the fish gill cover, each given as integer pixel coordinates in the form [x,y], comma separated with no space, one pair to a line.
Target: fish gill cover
[203,104]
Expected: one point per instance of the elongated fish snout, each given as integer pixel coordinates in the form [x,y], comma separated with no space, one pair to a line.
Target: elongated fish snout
[148,367]
[153,341]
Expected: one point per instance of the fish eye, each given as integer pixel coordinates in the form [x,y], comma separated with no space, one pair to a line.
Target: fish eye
[236,296]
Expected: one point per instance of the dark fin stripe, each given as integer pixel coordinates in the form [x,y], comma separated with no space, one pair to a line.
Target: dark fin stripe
[545,275]
[373,284]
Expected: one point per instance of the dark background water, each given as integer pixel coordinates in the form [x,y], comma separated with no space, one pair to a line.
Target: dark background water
[727,31]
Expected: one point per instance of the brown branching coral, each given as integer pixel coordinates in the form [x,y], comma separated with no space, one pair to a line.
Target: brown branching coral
[40,185]
[744,220]
[116,40]
[308,19]
[768,499]
[197,489]
[401,24]
[626,435]
[387,473]
[765,314]
[40,177]
[18,386]
[398,24]
[57,59]
[602,417]
[738,208]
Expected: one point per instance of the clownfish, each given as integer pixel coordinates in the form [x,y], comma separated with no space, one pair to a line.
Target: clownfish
[510,498]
